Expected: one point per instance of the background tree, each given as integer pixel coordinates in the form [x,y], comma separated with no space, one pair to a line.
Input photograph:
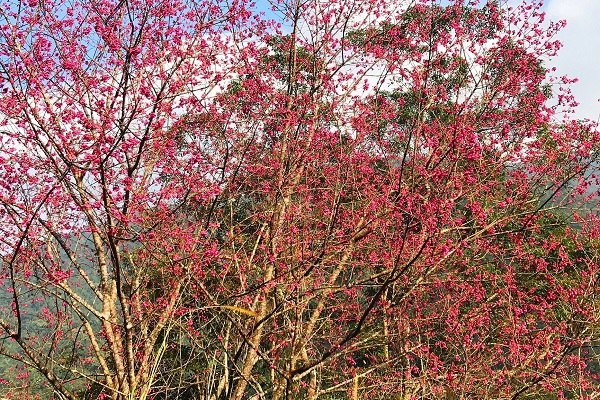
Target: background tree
[369,201]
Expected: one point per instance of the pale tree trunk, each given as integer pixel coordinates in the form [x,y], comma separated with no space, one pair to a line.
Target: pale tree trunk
[355,388]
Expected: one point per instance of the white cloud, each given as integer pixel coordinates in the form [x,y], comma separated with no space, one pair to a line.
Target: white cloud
[580,56]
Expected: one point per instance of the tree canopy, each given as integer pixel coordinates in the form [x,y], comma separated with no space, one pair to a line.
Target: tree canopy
[340,199]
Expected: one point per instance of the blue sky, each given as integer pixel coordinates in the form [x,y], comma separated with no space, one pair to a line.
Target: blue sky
[580,55]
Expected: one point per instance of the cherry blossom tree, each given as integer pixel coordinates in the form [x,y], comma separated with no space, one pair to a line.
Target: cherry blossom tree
[341,199]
